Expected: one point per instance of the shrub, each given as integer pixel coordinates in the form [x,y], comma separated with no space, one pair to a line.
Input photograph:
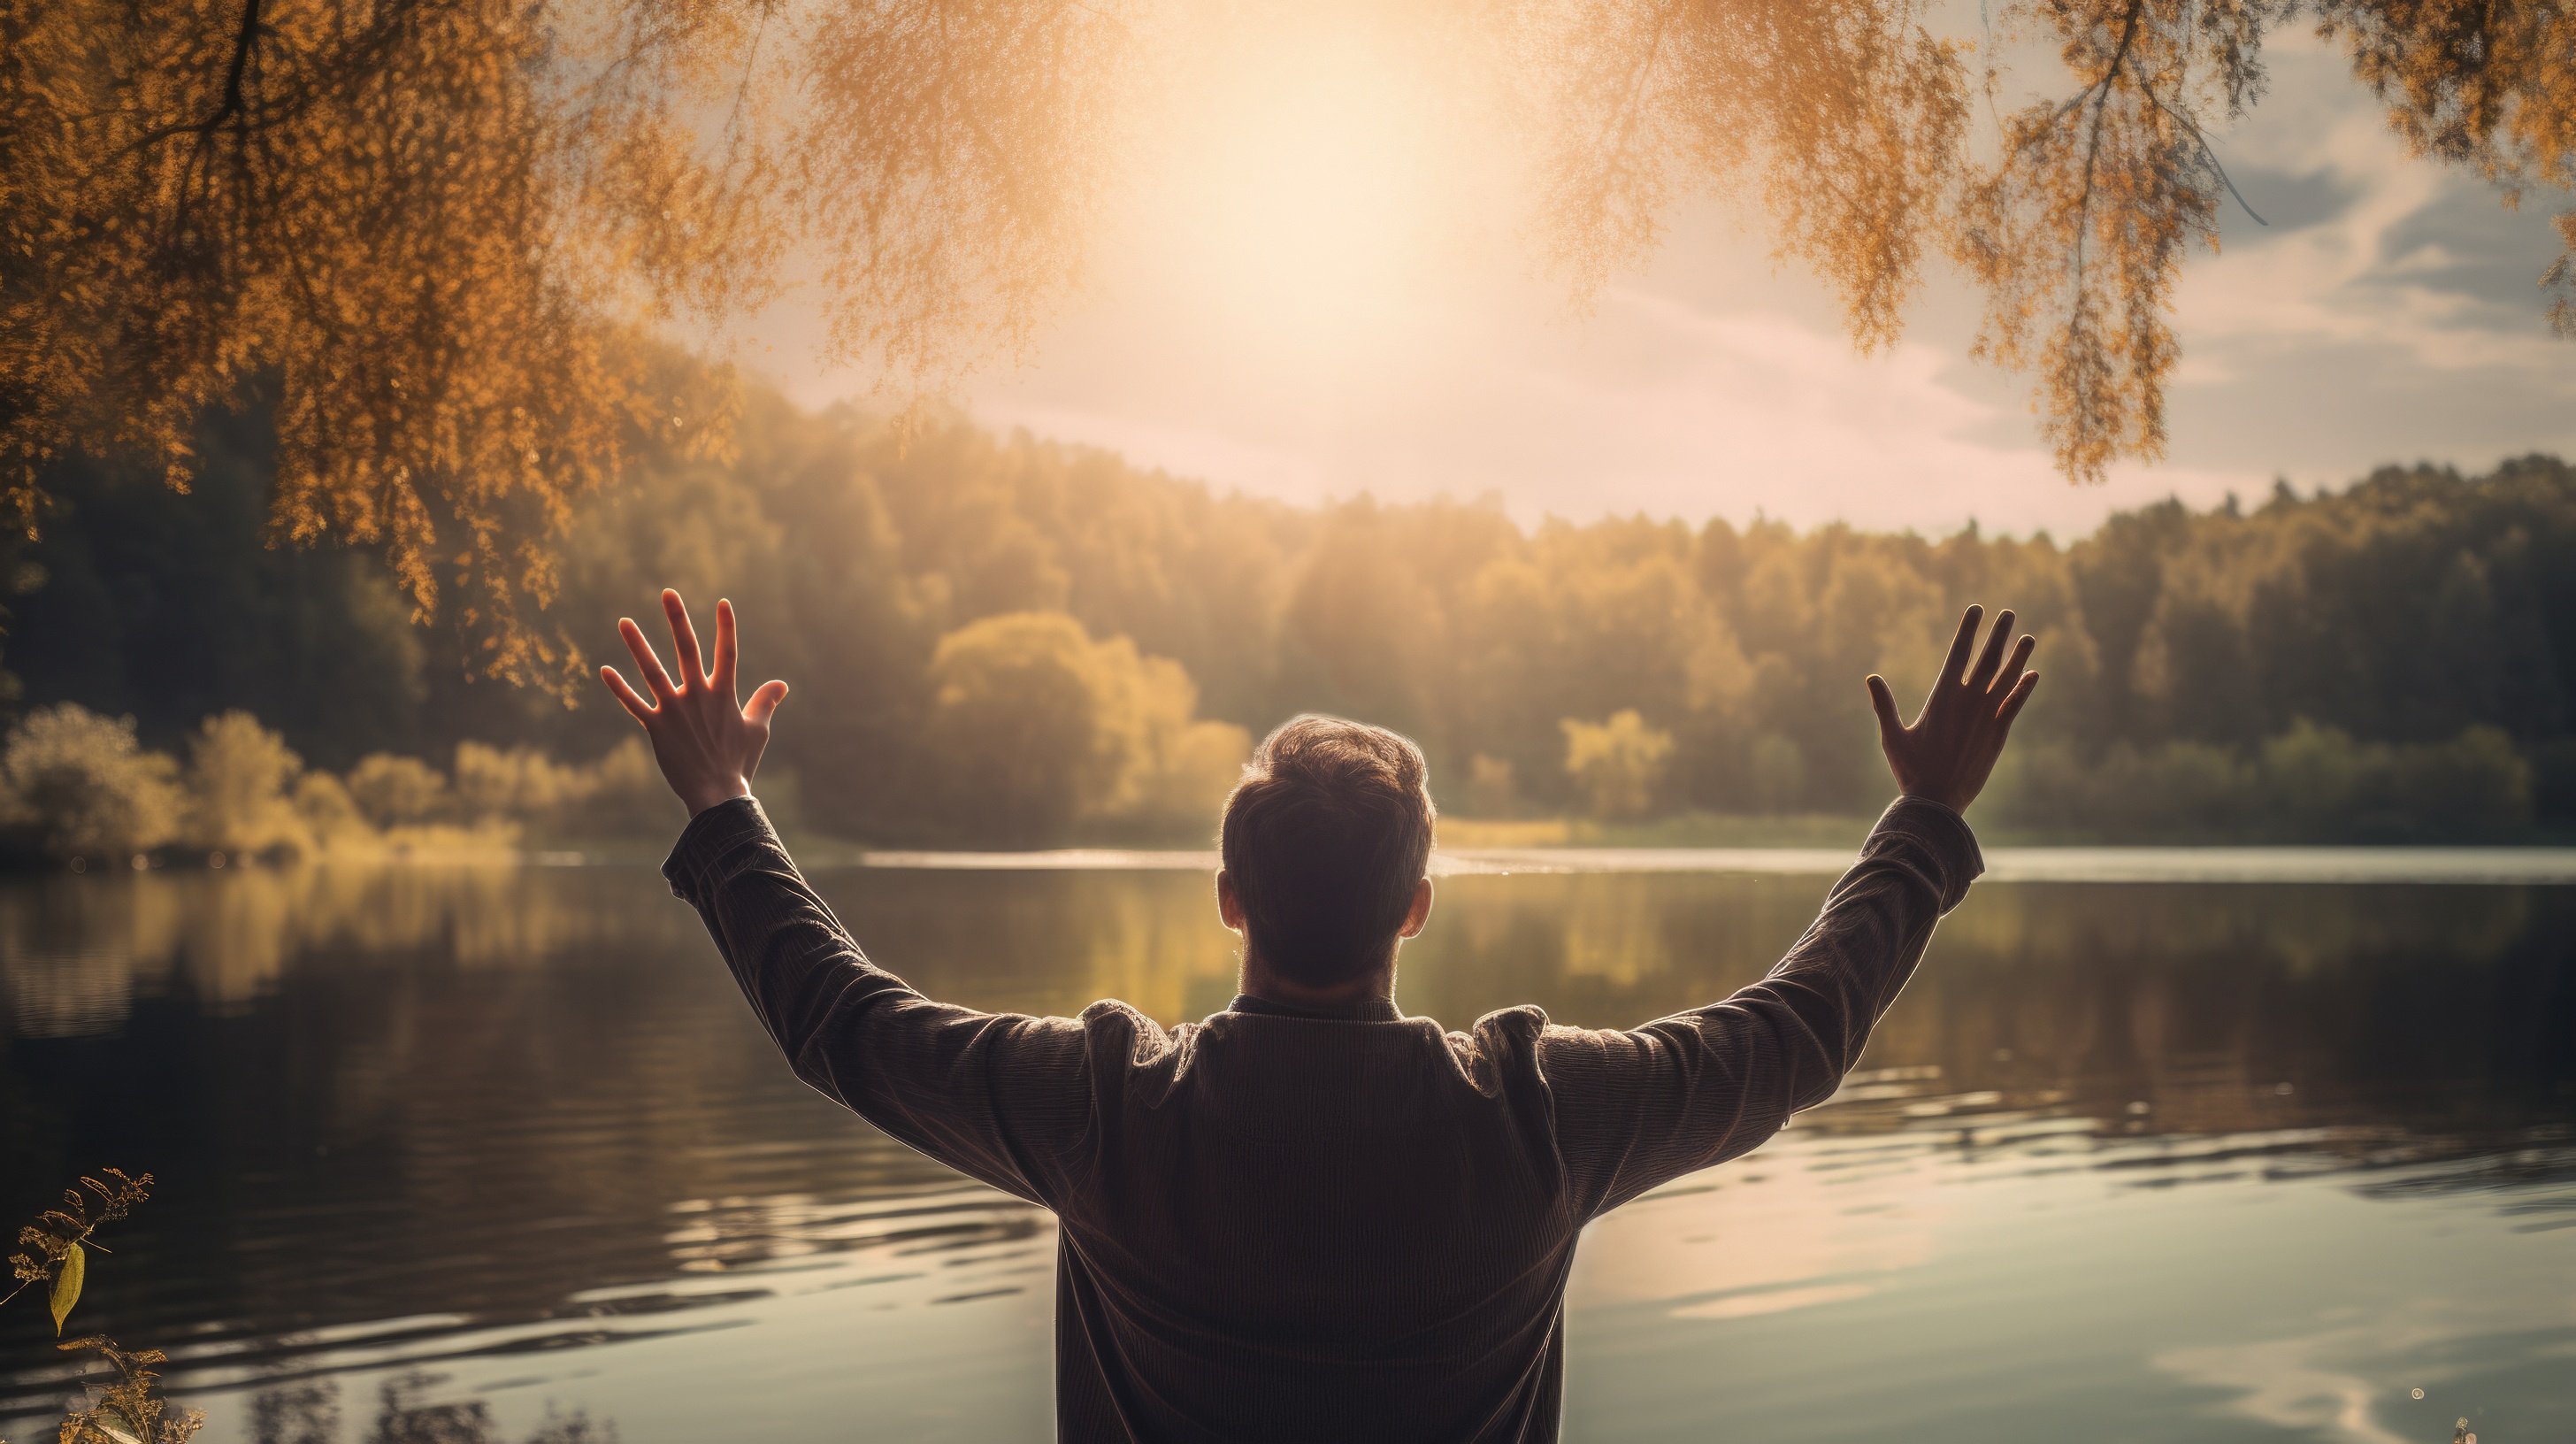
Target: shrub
[1036,729]
[620,795]
[522,784]
[2476,783]
[2309,784]
[329,814]
[84,787]
[1617,762]
[2170,791]
[2318,778]
[393,791]
[239,774]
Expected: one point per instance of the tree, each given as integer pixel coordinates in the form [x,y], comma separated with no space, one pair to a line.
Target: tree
[392,791]
[86,786]
[1036,728]
[421,224]
[1854,120]
[240,783]
[433,234]
[1619,761]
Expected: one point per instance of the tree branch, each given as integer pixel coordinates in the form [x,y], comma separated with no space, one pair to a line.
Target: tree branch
[2192,129]
[2101,91]
[243,40]
[230,108]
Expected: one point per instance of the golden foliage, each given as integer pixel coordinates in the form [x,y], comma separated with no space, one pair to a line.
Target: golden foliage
[948,166]
[2077,234]
[1848,111]
[2490,86]
[1854,119]
[434,234]
[422,224]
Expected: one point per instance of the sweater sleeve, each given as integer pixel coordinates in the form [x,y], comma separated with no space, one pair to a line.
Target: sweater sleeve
[1000,1097]
[1639,1108]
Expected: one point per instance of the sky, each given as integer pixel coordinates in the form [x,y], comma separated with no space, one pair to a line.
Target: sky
[1306,295]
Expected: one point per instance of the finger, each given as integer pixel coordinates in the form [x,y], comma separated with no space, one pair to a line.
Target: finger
[684,639]
[645,661]
[2021,691]
[1883,702]
[722,678]
[1957,662]
[617,685]
[2010,676]
[1993,655]
[764,702]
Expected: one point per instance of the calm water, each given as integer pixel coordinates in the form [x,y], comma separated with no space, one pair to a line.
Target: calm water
[444,1153]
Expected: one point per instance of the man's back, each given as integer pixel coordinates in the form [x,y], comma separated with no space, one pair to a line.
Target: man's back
[1283,1200]
[1284,1225]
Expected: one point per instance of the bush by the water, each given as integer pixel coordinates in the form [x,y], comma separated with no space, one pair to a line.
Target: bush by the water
[76,785]
[2309,784]
[1036,730]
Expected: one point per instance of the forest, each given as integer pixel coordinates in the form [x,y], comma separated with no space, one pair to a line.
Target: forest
[1004,641]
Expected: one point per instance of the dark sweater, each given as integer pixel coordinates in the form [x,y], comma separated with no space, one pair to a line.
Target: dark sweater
[1283,1226]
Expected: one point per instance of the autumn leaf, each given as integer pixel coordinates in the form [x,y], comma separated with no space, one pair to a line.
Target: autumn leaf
[67,1285]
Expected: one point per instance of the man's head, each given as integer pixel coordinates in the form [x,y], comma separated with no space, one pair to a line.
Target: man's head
[1325,844]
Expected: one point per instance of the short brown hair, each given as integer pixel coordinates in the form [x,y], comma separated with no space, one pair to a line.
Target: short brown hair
[1325,840]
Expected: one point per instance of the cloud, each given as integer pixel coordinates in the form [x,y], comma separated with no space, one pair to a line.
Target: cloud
[2414,258]
[2387,315]
[1657,404]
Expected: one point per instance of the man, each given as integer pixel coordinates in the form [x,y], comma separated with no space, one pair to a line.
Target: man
[1310,1217]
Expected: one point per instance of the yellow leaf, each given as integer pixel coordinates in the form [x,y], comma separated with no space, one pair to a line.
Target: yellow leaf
[67,1286]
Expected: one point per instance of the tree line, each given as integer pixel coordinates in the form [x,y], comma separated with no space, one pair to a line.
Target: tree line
[1000,640]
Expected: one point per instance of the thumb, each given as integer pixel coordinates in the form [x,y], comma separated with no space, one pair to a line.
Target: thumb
[1883,702]
[764,702]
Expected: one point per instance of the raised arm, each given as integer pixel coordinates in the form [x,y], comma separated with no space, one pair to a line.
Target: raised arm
[997,1096]
[1637,1108]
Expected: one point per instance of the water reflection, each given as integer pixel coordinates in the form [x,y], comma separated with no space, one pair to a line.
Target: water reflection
[486,1122]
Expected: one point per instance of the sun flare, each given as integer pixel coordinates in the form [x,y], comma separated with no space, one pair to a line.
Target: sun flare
[1306,197]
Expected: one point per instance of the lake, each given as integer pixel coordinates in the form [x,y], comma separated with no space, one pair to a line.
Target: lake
[2173,1145]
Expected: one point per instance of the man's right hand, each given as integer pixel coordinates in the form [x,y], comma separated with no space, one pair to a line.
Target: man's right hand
[1950,750]
[707,743]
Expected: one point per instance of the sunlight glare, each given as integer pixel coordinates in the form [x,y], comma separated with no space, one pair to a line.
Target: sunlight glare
[1307,200]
